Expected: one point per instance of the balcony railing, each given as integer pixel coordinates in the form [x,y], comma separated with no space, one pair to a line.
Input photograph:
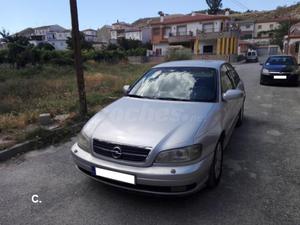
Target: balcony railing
[182,36]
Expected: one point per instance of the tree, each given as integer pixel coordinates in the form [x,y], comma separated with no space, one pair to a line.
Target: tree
[85,45]
[214,6]
[279,33]
[19,49]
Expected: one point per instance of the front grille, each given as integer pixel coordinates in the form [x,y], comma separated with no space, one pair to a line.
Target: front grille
[128,153]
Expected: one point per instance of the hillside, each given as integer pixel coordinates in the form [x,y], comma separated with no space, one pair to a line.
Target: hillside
[282,11]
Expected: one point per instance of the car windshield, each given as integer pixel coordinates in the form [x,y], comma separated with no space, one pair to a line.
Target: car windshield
[182,84]
[280,61]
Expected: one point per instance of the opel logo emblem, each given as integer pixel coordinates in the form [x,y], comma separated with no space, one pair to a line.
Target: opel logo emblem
[117,152]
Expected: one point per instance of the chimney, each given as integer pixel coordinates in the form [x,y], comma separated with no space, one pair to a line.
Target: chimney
[162,19]
[162,16]
[227,12]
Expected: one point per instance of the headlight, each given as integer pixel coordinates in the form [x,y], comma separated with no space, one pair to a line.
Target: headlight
[83,142]
[265,72]
[185,154]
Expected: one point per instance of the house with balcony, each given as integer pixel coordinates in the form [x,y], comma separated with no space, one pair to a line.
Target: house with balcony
[118,31]
[52,34]
[247,28]
[131,32]
[203,34]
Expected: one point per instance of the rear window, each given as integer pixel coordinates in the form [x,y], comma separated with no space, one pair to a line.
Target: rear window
[281,60]
[251,54]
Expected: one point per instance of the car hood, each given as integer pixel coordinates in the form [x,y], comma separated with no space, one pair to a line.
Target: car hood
[148,123]
[280,68]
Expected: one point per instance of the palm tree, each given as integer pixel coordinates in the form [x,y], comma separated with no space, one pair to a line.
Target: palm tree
[214,6]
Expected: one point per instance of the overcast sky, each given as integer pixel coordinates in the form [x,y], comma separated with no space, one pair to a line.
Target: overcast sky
[16,15]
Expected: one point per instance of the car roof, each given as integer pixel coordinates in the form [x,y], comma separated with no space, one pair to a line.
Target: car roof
[193,63]
[281,56]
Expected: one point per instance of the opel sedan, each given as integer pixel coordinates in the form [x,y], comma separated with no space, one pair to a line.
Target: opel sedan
[281,69]
[167,134]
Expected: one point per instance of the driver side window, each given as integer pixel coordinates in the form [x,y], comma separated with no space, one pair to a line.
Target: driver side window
[226,82]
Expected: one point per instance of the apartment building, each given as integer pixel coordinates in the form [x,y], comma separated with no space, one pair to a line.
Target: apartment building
[203,34]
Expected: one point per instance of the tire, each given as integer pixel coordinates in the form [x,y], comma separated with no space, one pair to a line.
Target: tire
[262,82]
[241,117]
[216,168]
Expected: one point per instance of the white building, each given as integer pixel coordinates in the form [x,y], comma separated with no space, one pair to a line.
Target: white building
[90,35]
[52,34]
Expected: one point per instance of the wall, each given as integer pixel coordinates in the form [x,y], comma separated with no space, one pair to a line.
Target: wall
[265,27]
[113,34]
[134,35]
[163,47]
[208,42]
[146,34]
[193,27]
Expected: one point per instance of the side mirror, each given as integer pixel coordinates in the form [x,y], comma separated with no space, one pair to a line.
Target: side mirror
[126,89]
[232,95]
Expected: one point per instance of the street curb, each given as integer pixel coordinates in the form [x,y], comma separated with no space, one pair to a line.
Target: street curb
[52,137]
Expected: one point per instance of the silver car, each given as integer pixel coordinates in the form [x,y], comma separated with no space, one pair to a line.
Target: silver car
[167,134]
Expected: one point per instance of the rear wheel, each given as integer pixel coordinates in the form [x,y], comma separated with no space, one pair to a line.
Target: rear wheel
[216,167]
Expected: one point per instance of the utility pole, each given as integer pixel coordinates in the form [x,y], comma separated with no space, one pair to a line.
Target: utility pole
[78,59]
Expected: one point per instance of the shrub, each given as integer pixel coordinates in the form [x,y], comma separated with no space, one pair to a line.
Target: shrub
[179,54]
[45,46]
[136,52]
[113,56]
[3,56]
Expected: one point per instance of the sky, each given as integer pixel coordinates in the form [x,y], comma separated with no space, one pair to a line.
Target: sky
[16,15]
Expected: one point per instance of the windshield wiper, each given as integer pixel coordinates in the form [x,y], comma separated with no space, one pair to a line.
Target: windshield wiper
[137,96]
[174,99]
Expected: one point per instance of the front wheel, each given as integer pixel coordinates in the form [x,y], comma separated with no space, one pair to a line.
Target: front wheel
[216,167]
[241,117]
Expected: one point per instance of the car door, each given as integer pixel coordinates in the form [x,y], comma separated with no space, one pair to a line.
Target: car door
[229,107]
[238,84]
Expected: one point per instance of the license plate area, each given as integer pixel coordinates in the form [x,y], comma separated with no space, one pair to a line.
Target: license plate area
[113,175]
[280,77]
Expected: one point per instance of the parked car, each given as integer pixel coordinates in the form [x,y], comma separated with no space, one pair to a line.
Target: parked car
[280,69]
[252,56]
[167,134]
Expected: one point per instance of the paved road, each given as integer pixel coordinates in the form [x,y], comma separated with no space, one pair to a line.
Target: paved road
[261,182]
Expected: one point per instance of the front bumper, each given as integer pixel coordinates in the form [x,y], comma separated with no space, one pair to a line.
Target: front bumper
[154,180]
[269,79]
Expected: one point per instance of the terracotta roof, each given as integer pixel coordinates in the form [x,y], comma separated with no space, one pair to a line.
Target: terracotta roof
[186,19]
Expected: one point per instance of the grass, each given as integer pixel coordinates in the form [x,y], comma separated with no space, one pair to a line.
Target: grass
[26,93]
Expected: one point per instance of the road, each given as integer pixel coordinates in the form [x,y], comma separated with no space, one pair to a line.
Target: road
[260,184]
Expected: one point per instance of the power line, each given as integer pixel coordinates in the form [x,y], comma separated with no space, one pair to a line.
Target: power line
[241,5]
